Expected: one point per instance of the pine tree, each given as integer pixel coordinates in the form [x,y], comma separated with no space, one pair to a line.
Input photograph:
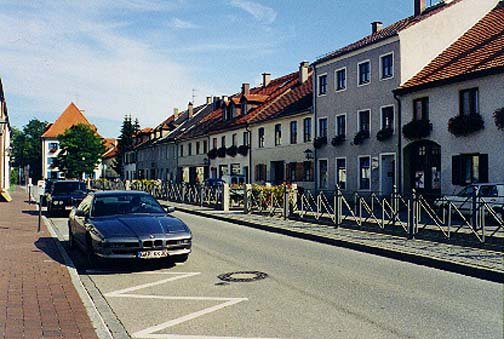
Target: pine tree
[125,142]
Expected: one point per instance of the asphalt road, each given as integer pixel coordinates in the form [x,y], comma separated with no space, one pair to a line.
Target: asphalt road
[312,291]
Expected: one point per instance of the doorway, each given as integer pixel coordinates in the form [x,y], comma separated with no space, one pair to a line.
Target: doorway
[387,173]
[422,167]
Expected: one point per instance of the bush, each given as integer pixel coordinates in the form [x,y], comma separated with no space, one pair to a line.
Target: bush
[243,150]
[417,129]
[360,137]
[212,154]
[463,125]
[384,134]
[13,176]
[338,140]
[232,151]
[319,142]
[499,118]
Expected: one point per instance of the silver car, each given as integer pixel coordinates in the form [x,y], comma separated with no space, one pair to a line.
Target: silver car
[126,225]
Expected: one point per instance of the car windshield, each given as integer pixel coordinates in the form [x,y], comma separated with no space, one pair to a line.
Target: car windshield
[69,187]
[124,204]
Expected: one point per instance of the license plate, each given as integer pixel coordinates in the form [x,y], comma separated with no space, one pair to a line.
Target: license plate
[152,254]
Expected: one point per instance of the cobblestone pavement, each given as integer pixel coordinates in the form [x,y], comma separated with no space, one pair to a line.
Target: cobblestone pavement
[37,297]
[482,261]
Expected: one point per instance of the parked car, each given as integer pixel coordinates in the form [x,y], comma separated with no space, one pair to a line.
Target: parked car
[492,194]
[63,195]
[212,182]
[127,225]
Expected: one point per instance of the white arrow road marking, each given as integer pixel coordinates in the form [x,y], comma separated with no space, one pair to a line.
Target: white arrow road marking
[150,332]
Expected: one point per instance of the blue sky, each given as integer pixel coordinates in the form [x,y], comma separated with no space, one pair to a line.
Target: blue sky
[144,57]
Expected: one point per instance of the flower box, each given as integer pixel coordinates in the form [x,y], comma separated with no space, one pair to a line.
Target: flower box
[360,137]
[463,125]
[338,140]
[384,134]
[417,129]
[319,142]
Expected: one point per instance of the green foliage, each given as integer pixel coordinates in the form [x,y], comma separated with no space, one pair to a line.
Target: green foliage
[417,129]
[499,118]
[81,151]
[125,142]
[26,147]
[13,176]
[463,125]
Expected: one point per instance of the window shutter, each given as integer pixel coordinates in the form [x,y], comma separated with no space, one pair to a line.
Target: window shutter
[483,168]
[287,172]
[299,171]
[457,170]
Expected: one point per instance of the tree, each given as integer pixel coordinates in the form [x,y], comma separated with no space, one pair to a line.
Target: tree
[125,142]
[26,147]
[81,150]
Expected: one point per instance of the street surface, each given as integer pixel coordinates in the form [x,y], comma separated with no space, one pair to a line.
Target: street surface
[312,291]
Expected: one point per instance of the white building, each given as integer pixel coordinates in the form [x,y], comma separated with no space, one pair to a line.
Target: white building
[5,147]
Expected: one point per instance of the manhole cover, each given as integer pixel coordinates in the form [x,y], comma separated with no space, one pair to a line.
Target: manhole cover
[243,276]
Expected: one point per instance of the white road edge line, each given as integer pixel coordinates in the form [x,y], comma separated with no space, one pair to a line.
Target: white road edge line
[180,275]
[101,328]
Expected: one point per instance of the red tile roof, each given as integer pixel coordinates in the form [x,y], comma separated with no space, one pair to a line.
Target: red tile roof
[478,51]
[71,116]
[110,153]
[386,32]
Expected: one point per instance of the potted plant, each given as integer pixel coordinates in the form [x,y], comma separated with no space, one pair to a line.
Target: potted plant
[243,150]
[319,142]
[232,151]
[499,118]
[212,154]
[221,152]
[360,137]
[338,140]
[384,134]
[417,129]
[463,125]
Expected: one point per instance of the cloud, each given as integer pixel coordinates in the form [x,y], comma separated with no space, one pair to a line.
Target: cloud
[259,12]
[177,23]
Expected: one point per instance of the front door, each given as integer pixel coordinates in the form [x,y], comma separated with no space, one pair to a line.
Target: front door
[278,173]
[424,167]
[387,174]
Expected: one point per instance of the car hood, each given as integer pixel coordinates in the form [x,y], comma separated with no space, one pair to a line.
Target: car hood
[139,226]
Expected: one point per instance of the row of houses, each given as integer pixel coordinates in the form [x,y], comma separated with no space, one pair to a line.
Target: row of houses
[5,147]
[416,104]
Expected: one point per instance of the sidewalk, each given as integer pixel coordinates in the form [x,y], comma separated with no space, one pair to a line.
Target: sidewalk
[37,297]
[481,262]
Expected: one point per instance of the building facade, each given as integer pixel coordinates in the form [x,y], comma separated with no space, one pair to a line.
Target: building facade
[5,147]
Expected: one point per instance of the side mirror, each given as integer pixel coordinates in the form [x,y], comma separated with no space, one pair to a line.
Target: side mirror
[170,209]
[80,213]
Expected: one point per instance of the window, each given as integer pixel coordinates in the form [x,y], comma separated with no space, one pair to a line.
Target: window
[421,109]
[307,130]
[322,127]
[307,171]
[365,173]
[291,172]
[469,101]
[223,170]
[214,142]
[233,139]
[341,177]
[322,84]
[245,138]
[260,137]
[189,149]
[364,71]
[205,147]
[387,66]
[341,125]
[341,79]
[53,147]
[278,134]
[469,168]
[323,184]
[261,172]
[364,120]
[223,141]
[293,132]
[387,117]
[181,153]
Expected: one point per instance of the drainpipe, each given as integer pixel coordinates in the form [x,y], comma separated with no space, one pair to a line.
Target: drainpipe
[399,142]
[315,162]
[176,160]
[249,174]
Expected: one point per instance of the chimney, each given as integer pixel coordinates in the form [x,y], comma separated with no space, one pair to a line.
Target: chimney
[190,110]
[208,100]
[245,89]
[376,26]
[266,79]
[303,71]
[176,112]
[420,6]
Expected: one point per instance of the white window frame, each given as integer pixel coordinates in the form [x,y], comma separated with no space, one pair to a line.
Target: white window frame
[380,168]
[336,124]
[336,79]
[318,85]
[336,171]
[370,173]
[317,128]
[393,116]
[318,174]
[358,119]
[381,66]
[358,73]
